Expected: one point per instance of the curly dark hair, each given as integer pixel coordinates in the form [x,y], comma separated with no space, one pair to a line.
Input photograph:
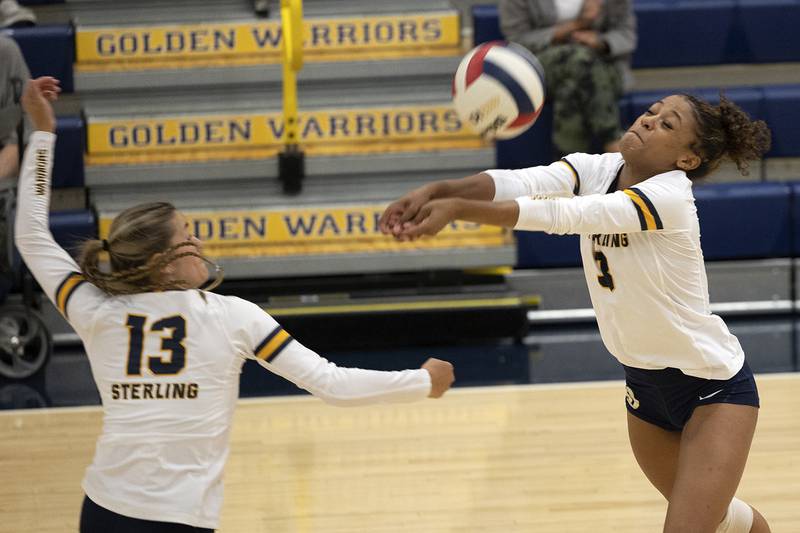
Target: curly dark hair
[726,130]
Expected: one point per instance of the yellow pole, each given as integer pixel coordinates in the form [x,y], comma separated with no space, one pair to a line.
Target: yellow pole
[292,27]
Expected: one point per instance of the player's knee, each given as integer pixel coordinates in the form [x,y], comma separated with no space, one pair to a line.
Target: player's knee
[738,519]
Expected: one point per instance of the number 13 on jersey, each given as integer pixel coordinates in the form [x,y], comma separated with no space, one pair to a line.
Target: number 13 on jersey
[175,327]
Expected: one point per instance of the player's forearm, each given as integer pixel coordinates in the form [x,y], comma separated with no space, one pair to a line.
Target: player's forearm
[503,214]
[476,187]
[348,386]
[48,262]
[33,201]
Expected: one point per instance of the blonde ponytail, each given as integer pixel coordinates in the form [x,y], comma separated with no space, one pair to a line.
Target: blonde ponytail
[138,248]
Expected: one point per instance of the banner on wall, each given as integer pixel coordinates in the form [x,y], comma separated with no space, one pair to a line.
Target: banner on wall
[253,136]
[242,43]
[283,232]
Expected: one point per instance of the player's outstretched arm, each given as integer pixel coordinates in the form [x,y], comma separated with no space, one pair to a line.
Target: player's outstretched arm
[436,214]
[49,263]
[658,205]
[256,335]
[54,269]
[346,387]
[498,185]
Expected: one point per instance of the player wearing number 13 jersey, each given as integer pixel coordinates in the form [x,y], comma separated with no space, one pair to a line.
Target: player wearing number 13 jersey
[166,356]
[691,398]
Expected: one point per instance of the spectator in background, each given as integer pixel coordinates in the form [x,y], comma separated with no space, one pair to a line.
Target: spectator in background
[13,75]
[585,48]
[13,15]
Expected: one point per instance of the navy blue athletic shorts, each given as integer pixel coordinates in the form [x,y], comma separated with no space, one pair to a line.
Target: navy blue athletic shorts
[96,519]
[668,397]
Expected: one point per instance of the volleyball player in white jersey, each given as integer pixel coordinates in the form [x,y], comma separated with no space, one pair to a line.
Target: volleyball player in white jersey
[166,356]
[691,397]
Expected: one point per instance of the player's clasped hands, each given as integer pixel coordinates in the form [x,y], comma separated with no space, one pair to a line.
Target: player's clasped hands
[416,215]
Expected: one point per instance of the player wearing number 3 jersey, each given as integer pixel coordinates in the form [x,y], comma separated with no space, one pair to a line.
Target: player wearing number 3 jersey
[165,355]
[692,400]
[640,248]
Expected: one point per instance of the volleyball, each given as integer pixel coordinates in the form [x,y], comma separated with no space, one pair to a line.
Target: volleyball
[499,89]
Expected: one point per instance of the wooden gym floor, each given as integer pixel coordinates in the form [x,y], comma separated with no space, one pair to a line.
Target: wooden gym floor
[550,458]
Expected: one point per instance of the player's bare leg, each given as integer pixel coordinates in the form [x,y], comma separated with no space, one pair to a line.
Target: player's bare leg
[713,452]
[656,450]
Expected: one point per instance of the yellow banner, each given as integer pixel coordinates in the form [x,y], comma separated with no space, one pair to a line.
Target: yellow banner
[208,137]
[111,48]
[318,230]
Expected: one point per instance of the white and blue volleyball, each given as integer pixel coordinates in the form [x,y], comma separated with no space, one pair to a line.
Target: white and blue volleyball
[499,89]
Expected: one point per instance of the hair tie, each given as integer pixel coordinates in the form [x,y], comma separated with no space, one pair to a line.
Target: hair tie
[105,245]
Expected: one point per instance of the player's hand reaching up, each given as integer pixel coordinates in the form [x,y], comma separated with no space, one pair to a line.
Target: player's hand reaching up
[36,100]
[442,376]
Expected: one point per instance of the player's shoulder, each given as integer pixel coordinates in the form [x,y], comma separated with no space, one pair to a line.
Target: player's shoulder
[222,301]
[610,160]
[236,308]
[594,172]
[664,201]
[675,184]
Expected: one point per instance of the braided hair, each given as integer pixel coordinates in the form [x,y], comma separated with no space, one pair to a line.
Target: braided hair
[726,131]
[138,247]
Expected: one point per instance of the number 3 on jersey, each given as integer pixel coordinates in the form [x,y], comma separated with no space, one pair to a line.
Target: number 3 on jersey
[173,344]
[605,278]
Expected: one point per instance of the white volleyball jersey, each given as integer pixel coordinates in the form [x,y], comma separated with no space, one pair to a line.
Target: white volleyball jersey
[641,257]
[167,367]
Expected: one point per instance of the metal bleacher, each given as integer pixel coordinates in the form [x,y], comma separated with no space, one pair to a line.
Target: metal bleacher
[342,162]
[375,121]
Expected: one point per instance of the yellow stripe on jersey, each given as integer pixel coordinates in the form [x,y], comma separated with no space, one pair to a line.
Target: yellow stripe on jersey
[65,290]
[273,344]
[577,188]
[646,218]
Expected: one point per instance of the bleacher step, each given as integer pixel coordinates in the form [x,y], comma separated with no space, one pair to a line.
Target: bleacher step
[267,77]
[103,12]
[329,168]
[266,193]
[257,98]
[330,264]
